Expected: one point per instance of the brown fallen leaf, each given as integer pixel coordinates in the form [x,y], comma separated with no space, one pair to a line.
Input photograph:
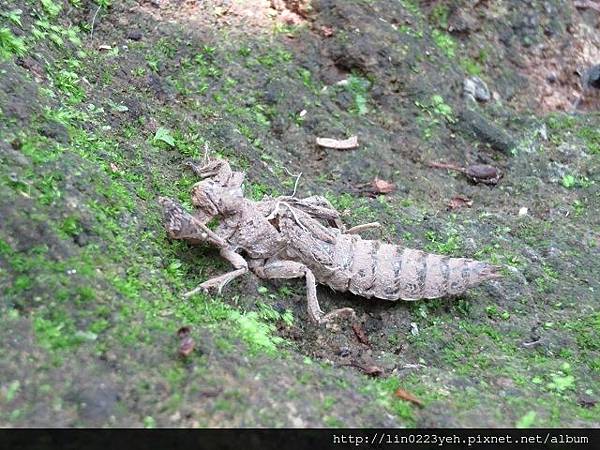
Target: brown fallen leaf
[186,347]
[459,202]
[360,334]
[382,187]
[407,396]
[367,368]
[33,66]
[212,393]
[482,173]
[186,344]
[374,371]
[338,144]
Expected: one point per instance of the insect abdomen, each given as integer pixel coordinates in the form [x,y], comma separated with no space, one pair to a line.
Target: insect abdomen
[392,272]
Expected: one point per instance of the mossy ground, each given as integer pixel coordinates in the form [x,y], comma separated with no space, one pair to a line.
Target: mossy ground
[94,129]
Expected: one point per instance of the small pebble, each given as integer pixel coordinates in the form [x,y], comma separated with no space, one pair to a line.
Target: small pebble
[591,77]
[134,35]
[476,88]
[344,352]
[414,329]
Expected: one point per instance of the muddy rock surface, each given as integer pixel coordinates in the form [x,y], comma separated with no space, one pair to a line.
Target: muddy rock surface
[101,107]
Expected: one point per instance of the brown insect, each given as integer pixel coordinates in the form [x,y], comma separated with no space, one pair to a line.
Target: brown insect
[287,237]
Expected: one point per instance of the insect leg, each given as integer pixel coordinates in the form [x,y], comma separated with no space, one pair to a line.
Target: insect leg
[236,260]
[291,269]
[319,208]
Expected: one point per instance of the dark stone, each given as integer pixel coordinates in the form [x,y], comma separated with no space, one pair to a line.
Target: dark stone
[344,352]
[271,95]
[359,56]
[345,100]
[18,95]
[377,93]
[461,22]
[587,401]
[476,88]
[311,124]
[159,87]
[31,64]
[279,125]
[279,307]
[591,77]
[134,35]
[482,128]
[81,239]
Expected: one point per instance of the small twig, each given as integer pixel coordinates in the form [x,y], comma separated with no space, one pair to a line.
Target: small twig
[531,344]
[412,366]
[362,227]
[440,165]
[94,21]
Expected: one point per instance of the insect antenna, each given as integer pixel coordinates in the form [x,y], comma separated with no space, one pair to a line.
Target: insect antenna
[206,157]
[296,182]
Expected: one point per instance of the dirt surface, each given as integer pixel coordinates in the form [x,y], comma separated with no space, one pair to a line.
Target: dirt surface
[101,106]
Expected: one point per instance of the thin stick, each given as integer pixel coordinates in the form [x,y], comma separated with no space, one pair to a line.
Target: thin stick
[440,165]
[94,21]
[365,226]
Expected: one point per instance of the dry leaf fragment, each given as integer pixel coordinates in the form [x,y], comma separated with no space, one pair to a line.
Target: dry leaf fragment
[360,334]
[407,396]
[368,369]
[482,173]
[382,187]
[187,344]
[459,202]
[326,31]
[373,371]
[186,347]
[345,144]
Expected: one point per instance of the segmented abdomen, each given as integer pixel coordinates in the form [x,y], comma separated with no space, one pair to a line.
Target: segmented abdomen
[391,272]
